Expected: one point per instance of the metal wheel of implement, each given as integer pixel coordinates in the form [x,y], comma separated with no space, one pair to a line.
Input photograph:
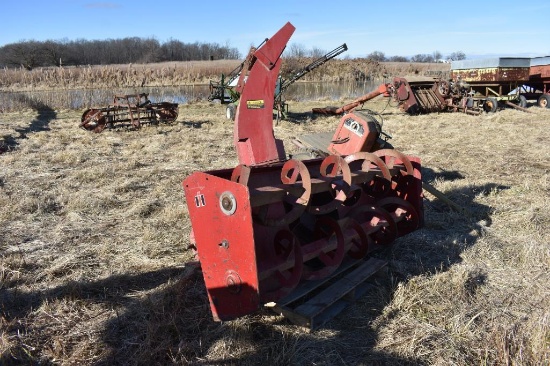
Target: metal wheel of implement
[444,88]
[167,113]
[544,101]
[490,105]
[405,176]
[377,223]
[362,243]
[391,157]
[240,174]
[93,120]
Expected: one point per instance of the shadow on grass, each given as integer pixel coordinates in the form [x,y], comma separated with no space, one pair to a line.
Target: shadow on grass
[446,233]
[40,123]
[170,321]
[429,175]
[194,124]
[114,291]
[298,118]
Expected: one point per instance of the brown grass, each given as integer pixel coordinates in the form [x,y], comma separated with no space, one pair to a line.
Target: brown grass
[115,76]
[94,266]
[194,72]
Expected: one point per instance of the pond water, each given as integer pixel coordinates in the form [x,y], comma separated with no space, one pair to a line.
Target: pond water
[87,98]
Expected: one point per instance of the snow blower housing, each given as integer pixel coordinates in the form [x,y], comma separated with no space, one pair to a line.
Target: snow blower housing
[271,225]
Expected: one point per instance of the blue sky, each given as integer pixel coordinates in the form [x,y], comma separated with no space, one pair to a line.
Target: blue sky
[398,27]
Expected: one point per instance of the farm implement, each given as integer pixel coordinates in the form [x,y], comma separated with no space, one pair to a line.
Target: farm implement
[488,84]
[297,235]
[128,110]
[226,90]
[419,97]
[283,84]
[476,86]
[412,97]
[539,81]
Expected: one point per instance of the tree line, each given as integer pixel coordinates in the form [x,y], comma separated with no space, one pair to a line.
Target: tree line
[299,51]
[436,56]
[31,54]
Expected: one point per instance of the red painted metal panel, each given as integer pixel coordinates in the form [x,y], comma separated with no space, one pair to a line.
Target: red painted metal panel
[264,226]
[258,238]
[225,243]
[355,132]
[253,135]
[405,95]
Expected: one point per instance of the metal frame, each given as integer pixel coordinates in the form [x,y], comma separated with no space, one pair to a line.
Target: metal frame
[271,223]
[128,110]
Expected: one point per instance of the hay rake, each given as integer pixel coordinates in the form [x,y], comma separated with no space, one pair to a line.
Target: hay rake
[128,110]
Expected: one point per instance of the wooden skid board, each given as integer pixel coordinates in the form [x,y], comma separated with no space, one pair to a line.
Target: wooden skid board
[314,303]
[317,141]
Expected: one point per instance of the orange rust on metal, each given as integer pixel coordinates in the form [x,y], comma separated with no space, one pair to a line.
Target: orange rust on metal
[494,74]
[134,108]
[384,89]
[539,79]
[425,97]
[539,72]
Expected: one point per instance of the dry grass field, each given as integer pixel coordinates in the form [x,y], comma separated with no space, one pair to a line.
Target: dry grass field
[198,72]
[95,270]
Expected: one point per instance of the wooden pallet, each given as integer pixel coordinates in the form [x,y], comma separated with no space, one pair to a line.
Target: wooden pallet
[316,141]
[314,303]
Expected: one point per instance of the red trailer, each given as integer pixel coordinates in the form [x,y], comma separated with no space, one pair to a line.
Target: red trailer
[539,80]
[492,81]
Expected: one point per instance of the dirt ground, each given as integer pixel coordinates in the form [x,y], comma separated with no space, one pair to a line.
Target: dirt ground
[94,265]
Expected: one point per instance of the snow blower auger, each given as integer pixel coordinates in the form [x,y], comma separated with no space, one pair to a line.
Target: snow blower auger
[272,229]
[131,110]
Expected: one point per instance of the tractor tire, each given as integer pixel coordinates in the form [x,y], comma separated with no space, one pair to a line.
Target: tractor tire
[544,101]
[490,105]
[230,112]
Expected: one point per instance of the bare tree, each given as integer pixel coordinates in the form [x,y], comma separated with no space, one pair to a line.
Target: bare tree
[422,57]
[317,52]
[151,51]
[27,54]
[296,50]
[376,56]
[54,53]
[457,56]
[398,59]
[30,54]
